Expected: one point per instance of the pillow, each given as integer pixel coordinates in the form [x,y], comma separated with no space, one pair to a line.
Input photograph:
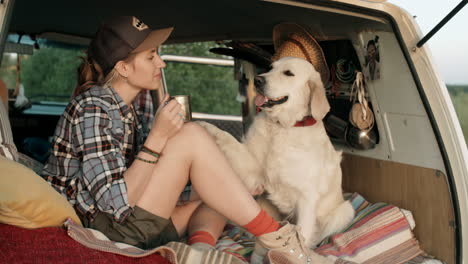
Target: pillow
[7,146]
[28,201]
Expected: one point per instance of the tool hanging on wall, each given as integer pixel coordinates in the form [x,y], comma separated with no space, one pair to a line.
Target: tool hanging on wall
[342,72]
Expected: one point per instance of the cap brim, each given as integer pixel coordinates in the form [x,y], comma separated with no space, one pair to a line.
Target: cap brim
[154,39]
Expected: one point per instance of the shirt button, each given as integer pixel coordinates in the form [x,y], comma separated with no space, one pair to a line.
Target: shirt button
[129,132]
[91,207]
[108,185]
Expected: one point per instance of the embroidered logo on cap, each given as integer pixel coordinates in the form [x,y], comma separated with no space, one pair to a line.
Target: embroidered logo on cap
[138,24]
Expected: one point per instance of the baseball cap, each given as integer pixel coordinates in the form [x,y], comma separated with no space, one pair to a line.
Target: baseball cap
[120,36]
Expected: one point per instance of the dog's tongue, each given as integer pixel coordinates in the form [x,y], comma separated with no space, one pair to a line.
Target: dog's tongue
[260,100]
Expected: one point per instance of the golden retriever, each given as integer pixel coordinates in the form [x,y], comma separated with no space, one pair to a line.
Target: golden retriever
[297,165]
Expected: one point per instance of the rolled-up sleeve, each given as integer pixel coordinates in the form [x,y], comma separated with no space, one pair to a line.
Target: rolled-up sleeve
[103,163]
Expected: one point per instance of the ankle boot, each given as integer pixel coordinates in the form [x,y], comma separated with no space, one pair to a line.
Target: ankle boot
[286,245]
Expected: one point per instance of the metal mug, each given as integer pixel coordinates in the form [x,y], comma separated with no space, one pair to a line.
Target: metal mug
[186,109]
[336,126]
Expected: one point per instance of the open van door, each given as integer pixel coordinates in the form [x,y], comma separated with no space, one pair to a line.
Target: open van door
[6,8]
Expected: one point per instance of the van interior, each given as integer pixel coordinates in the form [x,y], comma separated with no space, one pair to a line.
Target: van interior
[397,164]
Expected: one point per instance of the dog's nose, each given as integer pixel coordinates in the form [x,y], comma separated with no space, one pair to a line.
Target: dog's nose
[259,81]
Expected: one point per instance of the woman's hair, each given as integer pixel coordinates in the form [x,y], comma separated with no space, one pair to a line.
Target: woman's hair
[90,74]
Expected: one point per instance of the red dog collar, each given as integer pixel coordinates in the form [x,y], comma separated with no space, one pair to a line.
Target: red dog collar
[306,121]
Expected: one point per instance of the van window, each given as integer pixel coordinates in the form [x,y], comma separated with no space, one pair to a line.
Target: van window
[48,74]
[212,88]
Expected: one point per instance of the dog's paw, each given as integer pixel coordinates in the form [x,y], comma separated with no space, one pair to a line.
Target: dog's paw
[253,183]
[212,129]
[257,190]
[216,132]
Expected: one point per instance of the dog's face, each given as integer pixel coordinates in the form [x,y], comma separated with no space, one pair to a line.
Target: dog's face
[291,90]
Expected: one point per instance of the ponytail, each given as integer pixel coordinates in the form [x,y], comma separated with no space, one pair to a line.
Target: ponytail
[89,75]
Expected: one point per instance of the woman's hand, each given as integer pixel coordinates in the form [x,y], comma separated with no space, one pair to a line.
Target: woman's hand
[167,122]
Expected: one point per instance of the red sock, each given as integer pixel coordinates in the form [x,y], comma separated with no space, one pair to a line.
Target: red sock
[263,223]
[201,237]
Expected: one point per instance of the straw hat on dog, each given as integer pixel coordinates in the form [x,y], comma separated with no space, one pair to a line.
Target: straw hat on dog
[292,40]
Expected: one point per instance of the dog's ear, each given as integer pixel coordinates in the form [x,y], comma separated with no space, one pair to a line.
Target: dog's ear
[319,105]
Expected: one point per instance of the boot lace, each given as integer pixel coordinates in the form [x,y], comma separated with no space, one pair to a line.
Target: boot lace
[302,252]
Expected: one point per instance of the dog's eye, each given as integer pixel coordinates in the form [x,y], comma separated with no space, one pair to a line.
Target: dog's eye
[288,73]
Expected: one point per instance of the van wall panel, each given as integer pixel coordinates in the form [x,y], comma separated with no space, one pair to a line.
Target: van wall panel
[422,191]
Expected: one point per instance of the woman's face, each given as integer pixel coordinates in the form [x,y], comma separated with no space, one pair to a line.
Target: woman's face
[145,70]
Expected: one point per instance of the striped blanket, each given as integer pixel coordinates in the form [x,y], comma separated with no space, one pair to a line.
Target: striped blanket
[379,234]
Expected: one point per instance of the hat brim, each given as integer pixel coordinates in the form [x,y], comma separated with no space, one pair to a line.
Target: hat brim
[154,39]
[282,33]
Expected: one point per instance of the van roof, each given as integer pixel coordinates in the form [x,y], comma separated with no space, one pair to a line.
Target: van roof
[193,20]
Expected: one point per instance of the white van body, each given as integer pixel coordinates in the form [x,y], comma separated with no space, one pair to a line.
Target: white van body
[420,162]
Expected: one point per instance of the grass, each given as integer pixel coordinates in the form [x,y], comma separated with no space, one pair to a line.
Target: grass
[459,94]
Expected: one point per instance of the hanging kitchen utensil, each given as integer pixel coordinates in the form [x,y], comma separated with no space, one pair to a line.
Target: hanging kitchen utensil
[361,115]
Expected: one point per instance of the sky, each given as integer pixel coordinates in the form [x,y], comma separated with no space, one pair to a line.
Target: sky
[449,46]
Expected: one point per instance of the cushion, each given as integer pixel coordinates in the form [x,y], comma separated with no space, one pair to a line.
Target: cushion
[28,201]
[7,146]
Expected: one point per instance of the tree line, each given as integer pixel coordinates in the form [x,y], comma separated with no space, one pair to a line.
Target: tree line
[50,75]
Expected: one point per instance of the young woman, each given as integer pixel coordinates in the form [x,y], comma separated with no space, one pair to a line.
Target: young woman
[124,171]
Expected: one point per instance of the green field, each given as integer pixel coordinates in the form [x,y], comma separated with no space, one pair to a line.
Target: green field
[459,94]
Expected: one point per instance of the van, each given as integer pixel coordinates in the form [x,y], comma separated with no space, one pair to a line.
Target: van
[415,155]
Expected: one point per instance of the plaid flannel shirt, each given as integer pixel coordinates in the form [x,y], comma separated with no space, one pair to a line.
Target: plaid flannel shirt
[95,142]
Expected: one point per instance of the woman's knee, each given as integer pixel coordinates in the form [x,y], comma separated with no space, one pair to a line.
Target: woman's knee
[194,128]
[193,132]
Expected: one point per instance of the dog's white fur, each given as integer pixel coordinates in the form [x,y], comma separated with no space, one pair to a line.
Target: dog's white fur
[297,166]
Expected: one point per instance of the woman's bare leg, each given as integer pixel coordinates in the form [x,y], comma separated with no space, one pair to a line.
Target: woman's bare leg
[183,214]
[206,219]
[193,154]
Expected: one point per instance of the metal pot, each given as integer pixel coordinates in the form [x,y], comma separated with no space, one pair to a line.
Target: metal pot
[361,139]
[354,137]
